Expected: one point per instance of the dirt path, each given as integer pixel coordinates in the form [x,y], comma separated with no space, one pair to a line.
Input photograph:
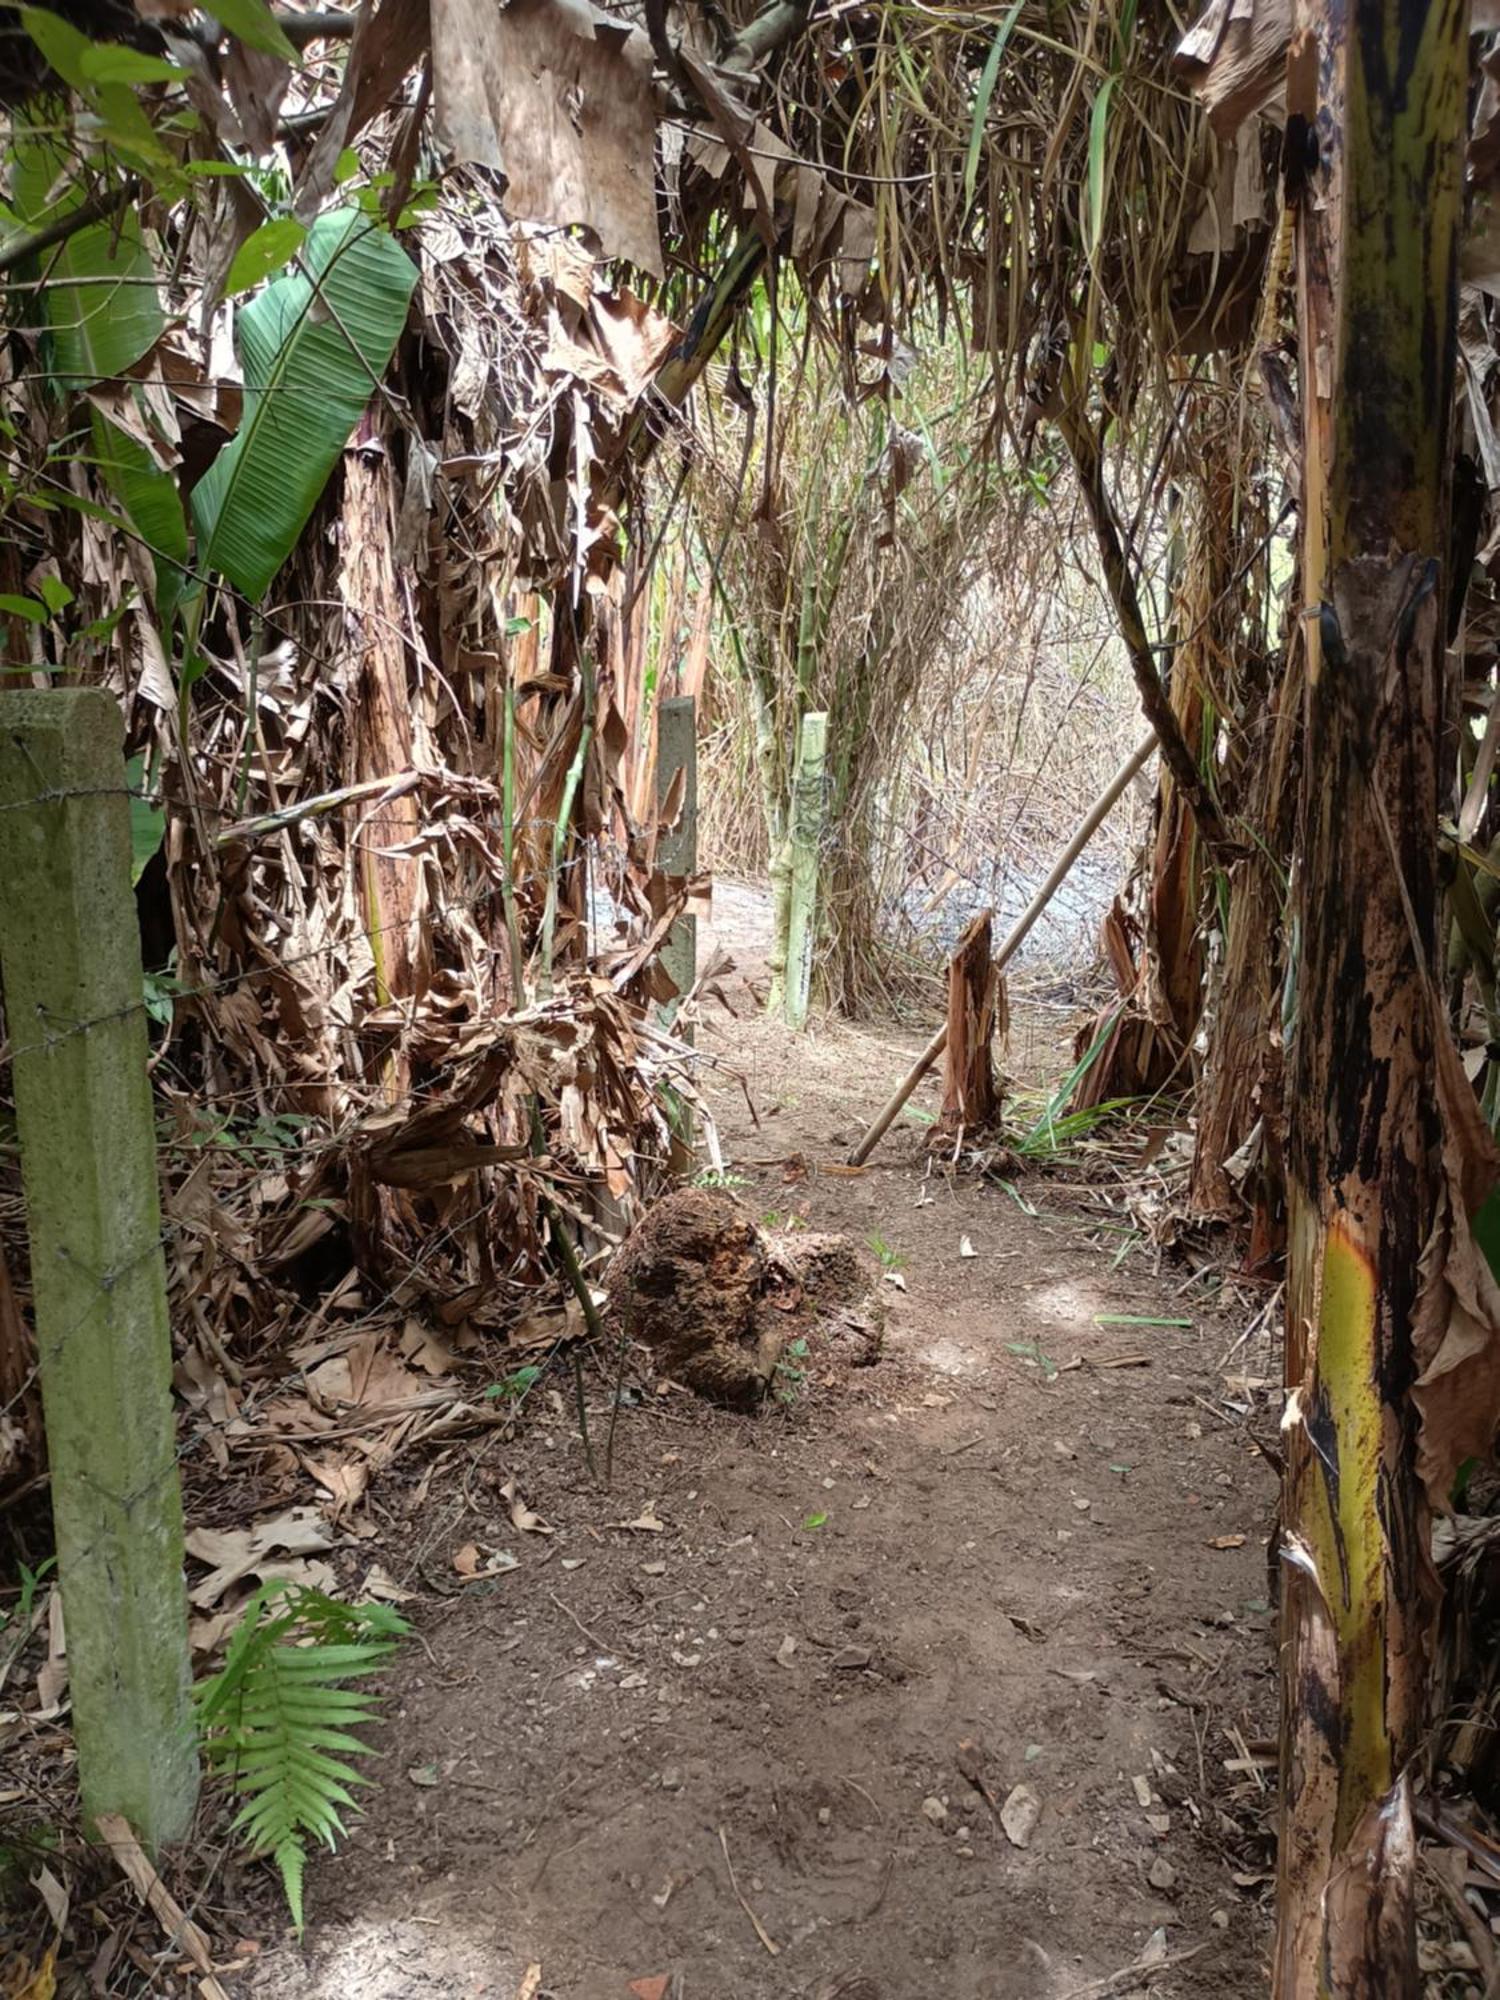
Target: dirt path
[992,1538]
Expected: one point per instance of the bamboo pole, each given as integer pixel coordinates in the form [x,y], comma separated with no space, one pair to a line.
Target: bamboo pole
[1087,827]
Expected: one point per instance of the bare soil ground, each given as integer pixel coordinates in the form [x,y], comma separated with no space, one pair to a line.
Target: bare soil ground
[742,1727]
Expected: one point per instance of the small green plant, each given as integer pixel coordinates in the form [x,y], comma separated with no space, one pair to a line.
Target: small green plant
[790,1374]
[160,990]
[1056,1127]
[278,1706]
[513,1387]
[1031,1350]
[258,1141]
[720,1177]
[31,1583]
[890,1260]
[19,1620]
[815,1521]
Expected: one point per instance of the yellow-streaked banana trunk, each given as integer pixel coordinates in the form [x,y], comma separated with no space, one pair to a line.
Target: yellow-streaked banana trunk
[1376,113]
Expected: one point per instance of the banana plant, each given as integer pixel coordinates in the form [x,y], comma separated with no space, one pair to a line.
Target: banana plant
[315,346]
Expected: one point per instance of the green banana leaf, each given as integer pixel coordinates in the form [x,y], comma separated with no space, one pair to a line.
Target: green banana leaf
[148,823]
[152,504]
[313,354]
[103,326]
[101,295]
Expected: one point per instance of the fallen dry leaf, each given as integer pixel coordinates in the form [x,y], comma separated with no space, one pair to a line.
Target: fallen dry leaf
[651,1989]
[539,1329]
[473,1562]
[207,1635]
[531,1982]
[38,1985]
[427,1350]
[233,1553]
[379,1583]
[137,1868]
[521,1516]
[54,1895]
[1226,1541]
[344,1480]
[52,1680]
[645,1523]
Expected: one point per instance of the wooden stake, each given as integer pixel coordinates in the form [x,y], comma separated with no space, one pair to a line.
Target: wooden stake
[1087,827]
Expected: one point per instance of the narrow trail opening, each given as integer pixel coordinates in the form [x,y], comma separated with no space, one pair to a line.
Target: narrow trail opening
[950,1674]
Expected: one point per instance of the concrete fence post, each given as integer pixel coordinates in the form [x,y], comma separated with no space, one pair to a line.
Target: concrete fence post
[790,995]
[70,961]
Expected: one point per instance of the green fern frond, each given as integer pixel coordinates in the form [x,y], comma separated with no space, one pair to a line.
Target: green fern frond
[276,1709]
[290,1860]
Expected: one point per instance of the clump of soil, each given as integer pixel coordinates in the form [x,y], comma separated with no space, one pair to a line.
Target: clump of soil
[716,1299]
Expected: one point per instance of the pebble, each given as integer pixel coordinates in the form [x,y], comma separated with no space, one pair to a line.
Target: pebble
[1161,1874]
[935,1810]
[1220,1920]
[671,1779]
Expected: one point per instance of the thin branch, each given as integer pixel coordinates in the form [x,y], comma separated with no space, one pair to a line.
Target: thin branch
[769,30]
[321,26]
[94,209]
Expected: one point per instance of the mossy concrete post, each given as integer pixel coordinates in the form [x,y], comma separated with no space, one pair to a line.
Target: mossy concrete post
[70,959]
[677,846]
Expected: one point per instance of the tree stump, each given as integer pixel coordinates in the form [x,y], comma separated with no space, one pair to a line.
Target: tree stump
[686,1283]
[971,1092]
[717,1301]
